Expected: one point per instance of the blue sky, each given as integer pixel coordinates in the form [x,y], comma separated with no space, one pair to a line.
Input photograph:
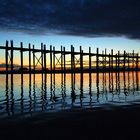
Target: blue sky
[116,43]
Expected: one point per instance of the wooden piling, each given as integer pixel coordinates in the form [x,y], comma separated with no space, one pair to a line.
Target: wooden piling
[51,58]
[133,59]
[90,59]
[111,59]
[81,59]
[137,61]
[21,57]
[102,62]
[109,63]
[105,57]
[33,58]
[6,57]
[128,61]
[45,58]
[64,59]
[72,58]
[97,59]
[29,58]
[61,58]
[124,60]
[118,60]
[42,58]
[12,55]
[54,58]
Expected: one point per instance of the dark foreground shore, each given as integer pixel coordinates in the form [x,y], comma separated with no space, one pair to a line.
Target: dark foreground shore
[117,123]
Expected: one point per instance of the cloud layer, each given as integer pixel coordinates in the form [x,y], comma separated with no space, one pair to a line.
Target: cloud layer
[72,17]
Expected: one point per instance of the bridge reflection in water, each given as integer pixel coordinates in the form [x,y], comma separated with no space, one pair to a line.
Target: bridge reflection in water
[28,93]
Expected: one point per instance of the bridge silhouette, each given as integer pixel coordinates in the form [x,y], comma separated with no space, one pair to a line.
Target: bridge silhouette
[95,62]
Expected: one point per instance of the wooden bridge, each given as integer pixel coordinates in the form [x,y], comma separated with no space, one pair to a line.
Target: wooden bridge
[95,62]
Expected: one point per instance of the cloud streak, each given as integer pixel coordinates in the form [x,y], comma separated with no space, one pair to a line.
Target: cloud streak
[88,18]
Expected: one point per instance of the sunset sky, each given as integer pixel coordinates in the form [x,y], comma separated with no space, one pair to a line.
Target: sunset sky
[111,24]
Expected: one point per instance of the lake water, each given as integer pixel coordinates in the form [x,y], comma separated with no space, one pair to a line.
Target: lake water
[20,94]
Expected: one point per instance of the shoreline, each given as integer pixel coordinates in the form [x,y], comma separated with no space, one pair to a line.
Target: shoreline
[120,123]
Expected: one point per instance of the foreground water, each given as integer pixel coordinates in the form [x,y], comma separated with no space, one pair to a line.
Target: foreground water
[45,93]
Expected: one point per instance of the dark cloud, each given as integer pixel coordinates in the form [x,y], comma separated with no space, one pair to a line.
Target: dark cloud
[72,17]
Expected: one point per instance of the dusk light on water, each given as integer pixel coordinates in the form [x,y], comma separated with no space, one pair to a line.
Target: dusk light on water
[69,69]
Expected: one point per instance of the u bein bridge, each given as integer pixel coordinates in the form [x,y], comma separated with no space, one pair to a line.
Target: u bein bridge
[95,62]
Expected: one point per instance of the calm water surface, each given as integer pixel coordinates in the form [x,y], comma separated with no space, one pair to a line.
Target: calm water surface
[34,93]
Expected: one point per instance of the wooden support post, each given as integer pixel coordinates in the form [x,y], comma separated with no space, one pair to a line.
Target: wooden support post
[137,61]
[42,54]
[90,59]
[54,58]
[51,58]
[105,57]
[97,59]
[34,58]
[133,59]
[102,59]
[21,57]
[64,59]
[12,55]
[45,58]
[118,60]
[61,58]
[81,59]
[29,58]
[6,57]
[124,60]
[128,61]
[71,58]
[81,87]
[109,63]
[112,59]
